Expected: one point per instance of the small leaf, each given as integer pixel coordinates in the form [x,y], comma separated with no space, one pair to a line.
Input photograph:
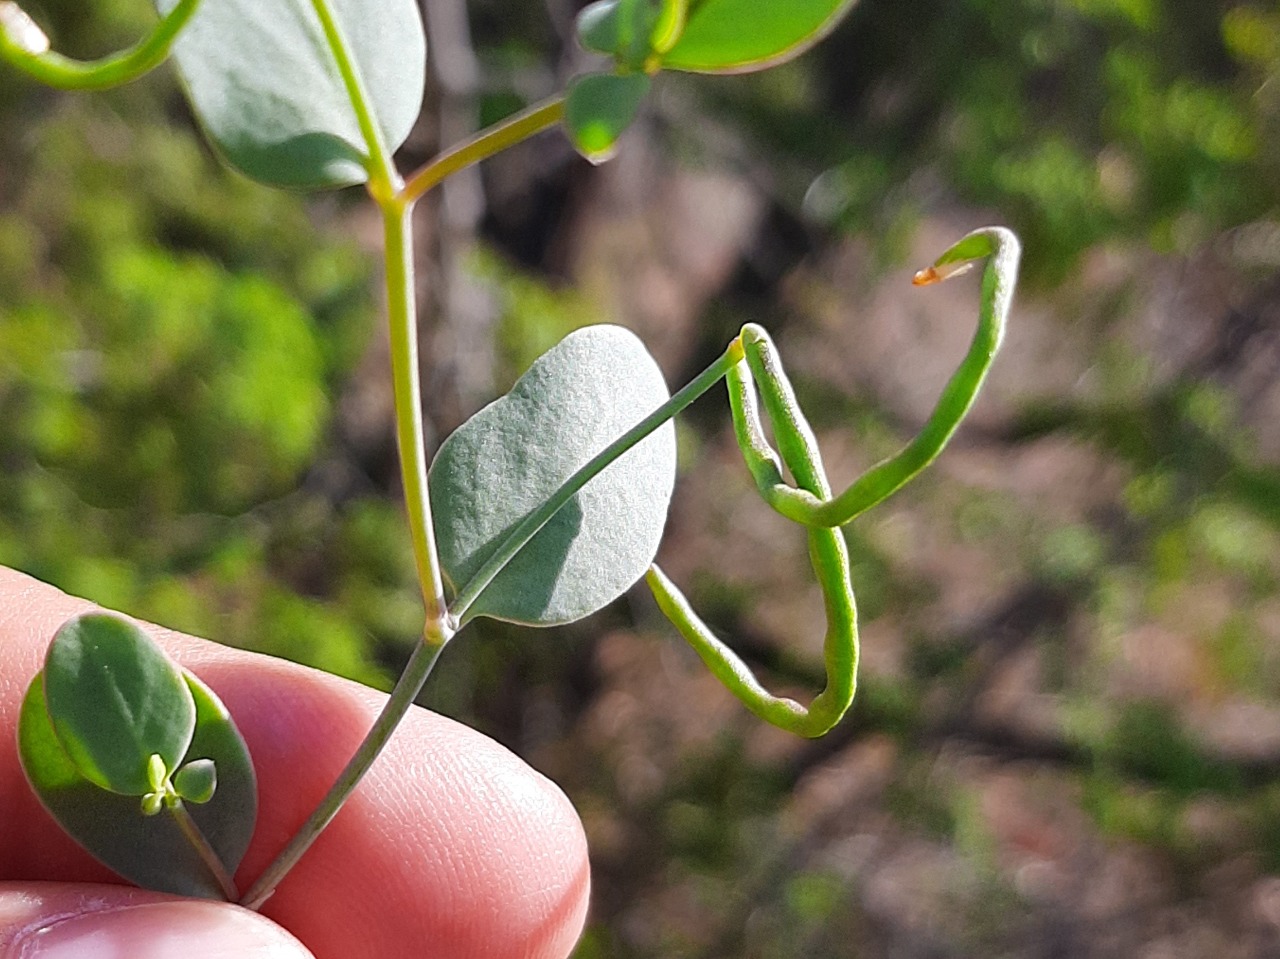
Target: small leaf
[620,29]
[115,700]
[599,27]
[267,90]
[599,108]
[742,36]
[149,851]
[509,458]
[157,774]
[196,781]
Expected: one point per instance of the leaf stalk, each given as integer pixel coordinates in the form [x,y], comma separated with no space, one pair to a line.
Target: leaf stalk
[397,705]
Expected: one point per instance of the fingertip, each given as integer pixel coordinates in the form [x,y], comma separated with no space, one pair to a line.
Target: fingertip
[451,841]
[82,921]
[534,899]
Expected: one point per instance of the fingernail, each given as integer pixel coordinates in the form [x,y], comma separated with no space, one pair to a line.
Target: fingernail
[161,930]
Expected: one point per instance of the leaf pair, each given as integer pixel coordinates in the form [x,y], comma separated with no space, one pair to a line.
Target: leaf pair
[264,81]
[696,36]
[113,732]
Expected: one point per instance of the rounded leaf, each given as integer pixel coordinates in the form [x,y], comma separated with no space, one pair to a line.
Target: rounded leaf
[741,36]
[150,851]
[115,700]
[196,781]
[266,88]
[509,458]
[599,108]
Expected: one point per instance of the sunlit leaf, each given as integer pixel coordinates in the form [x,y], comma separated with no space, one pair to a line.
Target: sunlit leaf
[506,460]
[115,700]
[148,851]
[740,36]
[669,26]
[267,90]
[599,108]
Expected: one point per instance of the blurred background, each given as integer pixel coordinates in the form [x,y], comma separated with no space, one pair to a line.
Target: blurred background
[1067,737]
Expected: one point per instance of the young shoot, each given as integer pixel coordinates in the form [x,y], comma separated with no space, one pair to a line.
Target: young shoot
[544,507]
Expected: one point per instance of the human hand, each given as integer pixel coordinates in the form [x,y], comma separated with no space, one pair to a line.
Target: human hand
[451,847]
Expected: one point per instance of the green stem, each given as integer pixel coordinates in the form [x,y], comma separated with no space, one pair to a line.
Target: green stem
[402,322]
[383,178]
[531,524]
[402,317]
[791,429]
[398,703]
[202,847]
[762,461]
[68,74]
[483,145]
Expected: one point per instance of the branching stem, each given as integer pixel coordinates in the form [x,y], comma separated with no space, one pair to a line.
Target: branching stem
[483,145]
[402,321]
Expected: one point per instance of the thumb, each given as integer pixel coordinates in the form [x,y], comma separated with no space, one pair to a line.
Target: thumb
[63,920]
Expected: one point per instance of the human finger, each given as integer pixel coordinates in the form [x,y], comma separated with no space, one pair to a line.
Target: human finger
[452,846]
[58,920]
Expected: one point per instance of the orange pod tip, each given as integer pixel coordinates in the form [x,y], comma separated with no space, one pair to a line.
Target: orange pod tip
[936,274]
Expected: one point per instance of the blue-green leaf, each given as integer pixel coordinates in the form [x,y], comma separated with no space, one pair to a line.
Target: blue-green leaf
[266,88]
[509,458]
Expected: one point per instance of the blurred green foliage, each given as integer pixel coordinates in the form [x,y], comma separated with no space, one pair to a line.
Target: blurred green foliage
[1081,121]
[171,337]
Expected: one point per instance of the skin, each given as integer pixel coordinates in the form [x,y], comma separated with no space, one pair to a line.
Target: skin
[451,847]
